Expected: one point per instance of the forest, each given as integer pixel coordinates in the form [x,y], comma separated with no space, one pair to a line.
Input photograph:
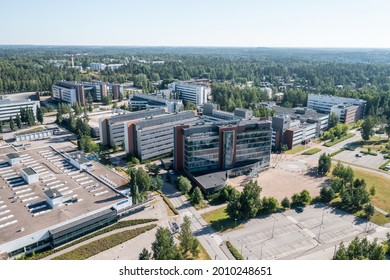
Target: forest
[358,73]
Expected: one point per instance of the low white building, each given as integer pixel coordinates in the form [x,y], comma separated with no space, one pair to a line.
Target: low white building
[54,198]
[13,159]
[29,175]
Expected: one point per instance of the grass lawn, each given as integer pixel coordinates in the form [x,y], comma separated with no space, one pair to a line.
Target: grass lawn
[375,143]
[220,220]
[311,151]
[203,254]
[336,141]
[295,150]
[380,219]
[382,184]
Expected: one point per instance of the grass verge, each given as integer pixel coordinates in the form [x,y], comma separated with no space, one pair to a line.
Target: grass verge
[103,244]
[337,152]
[311,151]
[383,166]
[295,150]
[234,251]
[203,254]
[336,141]
[119,225]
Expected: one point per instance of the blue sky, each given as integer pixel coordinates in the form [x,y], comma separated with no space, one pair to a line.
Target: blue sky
[254,23]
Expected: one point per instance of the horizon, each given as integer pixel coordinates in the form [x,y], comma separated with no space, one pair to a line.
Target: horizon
[217,23]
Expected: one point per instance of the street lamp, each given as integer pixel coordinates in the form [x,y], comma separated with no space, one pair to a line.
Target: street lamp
[241,245]
[235,222]
[273,228]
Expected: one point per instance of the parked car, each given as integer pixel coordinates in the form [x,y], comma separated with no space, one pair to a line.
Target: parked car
[299,209]
[171,172]
[358,155]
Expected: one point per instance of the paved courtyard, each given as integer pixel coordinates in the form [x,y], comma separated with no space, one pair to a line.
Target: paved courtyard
[291,235]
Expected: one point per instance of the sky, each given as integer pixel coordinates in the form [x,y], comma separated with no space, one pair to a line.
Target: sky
[229,23]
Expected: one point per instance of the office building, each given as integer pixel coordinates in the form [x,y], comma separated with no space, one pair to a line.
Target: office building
[211,113]
[77,92]
[301,125]
[111,129]
[196,92]
[203,151]
[153,137]
[11,104]
[148,101]
[347,114]
[324,104]
[97,66]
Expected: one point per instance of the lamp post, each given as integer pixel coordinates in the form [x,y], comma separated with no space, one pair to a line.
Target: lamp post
[273,228]
[241,245]
[235,222]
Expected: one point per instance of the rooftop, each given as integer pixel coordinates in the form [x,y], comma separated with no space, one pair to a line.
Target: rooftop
[29,171]
[12,155]
[211,180]
[53,193]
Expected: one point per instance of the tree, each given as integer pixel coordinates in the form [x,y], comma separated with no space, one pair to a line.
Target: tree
[387,128]
[152,168]
[89,98]
[324,163]
[157,183]
[305,197]
[1,126]
[250,200]
[373,190]
[143,180]
[327,194]
[369,210]
[360,249]
[269,205]
[77,109]
[368,128]
[164,248]
[39,115]
[30,117]
[190,106]
[115,147]
[333,120]
[11,124]
[189,245]
[133,185]
[286,202]
[144,255]
[183,184]
[88,145]
[197,196]
[18,121]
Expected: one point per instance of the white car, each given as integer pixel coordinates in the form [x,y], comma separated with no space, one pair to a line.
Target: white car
[171,172]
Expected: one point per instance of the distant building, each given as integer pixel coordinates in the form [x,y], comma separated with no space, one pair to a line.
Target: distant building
[97,66]
[210,112]
[293,126]
[195,91]
[149,101]
[153,137]
[77,92]
[324,104]
[111,129]
[11,104]
[347,114]
[212,148]
[114,67]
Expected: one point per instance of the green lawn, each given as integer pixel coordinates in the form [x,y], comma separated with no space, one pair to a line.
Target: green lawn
[375,143]
[311,151]
[336,141]
[203,253]
[295,150]
[380,219]
[220,220]
[382,185]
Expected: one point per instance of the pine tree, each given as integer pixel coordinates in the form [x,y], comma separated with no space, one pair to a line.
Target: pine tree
[39,115]
[18,121]
[1,126]
[189,245]
[11,124]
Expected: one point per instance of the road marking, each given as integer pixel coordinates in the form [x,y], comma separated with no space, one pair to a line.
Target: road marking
[292,219]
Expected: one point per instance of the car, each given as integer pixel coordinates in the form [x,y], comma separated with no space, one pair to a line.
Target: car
[358,155]
[175,227]
[299,209]
[171,172]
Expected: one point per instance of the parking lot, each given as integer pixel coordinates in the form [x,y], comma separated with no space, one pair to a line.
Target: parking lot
[364,160]
[292,235]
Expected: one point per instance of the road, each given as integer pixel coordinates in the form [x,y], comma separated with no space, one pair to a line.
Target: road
[209,239]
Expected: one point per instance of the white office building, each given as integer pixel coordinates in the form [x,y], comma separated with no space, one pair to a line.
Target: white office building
[64,94]
[97,66]
[324,103]
[10,108]
[194,92]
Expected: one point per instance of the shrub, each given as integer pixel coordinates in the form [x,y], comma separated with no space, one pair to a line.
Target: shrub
[234,251]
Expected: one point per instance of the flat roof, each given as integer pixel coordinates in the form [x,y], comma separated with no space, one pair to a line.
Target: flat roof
[211,180]
[12,155]
[25,204]
[52,193]
[29,171]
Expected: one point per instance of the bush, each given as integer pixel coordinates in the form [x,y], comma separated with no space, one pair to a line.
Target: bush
[383,166]
[337,152]
[286,203]
[169,203]
[336,141]
[234,251]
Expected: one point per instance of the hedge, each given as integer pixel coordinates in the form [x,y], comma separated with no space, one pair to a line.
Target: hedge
[337,152]
[336,141]
[311,151]
[121,224]
[234,251]
[169,203]
[103,244]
